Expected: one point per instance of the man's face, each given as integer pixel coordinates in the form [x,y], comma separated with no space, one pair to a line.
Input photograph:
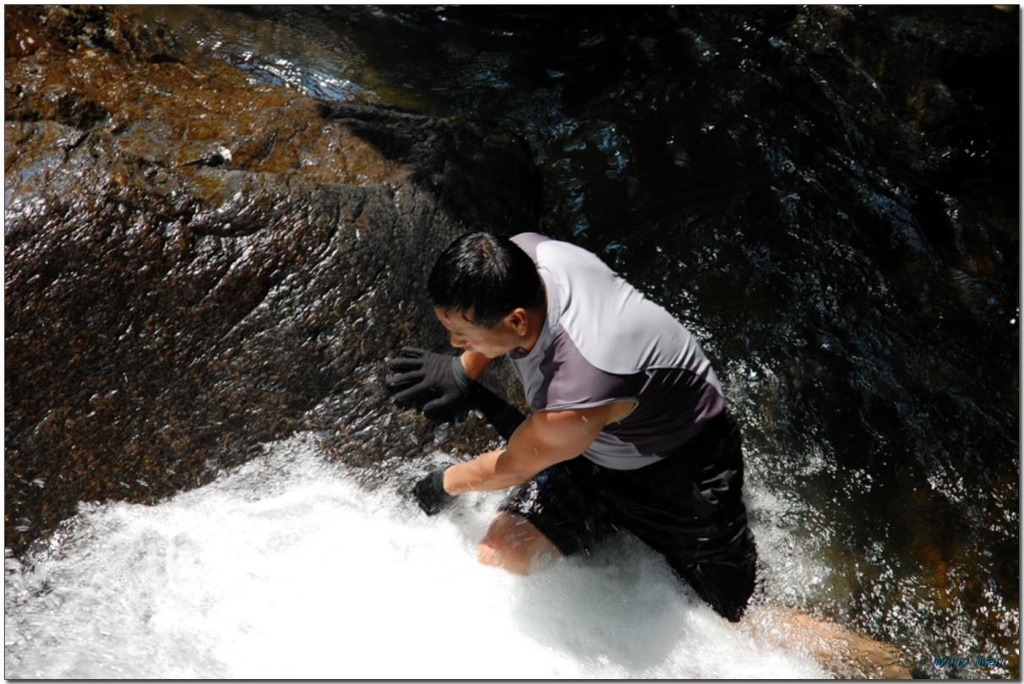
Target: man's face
[492,342]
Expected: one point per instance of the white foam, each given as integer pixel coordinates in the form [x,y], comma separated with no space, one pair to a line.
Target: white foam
[288,569]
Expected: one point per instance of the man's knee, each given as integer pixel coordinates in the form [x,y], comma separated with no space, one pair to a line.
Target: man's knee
[497,555]
[514,544]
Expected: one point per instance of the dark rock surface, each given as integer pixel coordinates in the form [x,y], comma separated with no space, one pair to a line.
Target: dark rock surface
[196,264]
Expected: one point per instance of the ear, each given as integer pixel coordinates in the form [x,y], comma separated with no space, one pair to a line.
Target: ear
[516,320]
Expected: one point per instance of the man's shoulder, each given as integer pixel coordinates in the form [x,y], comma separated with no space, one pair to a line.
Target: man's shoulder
[528,242]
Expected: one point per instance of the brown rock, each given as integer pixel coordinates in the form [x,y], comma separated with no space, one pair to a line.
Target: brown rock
[196,264]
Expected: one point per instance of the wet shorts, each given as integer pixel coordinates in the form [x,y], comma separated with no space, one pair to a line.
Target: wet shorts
[688,507]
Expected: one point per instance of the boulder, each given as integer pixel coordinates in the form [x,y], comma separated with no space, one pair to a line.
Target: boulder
[197,264]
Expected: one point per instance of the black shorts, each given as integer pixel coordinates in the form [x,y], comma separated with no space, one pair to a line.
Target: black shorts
[688,507]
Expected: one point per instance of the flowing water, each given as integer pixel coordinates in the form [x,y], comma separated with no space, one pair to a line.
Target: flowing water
[288,569]
[848,257]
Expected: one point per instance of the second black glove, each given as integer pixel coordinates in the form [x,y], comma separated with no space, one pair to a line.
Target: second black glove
[430,493]
[438,382]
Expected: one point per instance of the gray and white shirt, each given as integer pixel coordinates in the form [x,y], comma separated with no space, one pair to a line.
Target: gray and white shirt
[602,342]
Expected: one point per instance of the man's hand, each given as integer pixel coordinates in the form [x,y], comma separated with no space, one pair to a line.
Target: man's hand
[420,376]
[430,494]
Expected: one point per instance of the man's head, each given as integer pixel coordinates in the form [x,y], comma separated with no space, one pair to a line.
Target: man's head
[486,291]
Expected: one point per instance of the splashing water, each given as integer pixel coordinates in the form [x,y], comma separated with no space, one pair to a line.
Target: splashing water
[286,568]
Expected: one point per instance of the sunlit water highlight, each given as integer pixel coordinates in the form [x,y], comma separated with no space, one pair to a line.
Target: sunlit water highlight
[286,568]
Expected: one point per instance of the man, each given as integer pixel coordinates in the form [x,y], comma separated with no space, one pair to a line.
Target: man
[628,428]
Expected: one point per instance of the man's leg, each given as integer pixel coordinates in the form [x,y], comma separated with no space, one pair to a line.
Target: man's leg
[725,585]
[514,544]
[555,514]
[689,507]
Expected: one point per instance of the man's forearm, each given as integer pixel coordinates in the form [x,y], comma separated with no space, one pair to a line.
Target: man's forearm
[475,363]
[487,472]
[540,441]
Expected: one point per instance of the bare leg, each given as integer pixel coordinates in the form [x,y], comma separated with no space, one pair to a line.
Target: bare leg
[514,544]
[842,651]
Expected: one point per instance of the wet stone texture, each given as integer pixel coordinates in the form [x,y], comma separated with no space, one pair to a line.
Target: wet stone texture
[196,264]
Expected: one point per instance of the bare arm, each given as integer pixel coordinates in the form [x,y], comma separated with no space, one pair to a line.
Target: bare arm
[475,363]
[545,438]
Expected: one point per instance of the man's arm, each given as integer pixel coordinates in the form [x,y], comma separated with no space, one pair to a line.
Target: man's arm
[475,363]
[544,439]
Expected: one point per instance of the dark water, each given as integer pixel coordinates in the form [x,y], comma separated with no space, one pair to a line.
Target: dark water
[827,197]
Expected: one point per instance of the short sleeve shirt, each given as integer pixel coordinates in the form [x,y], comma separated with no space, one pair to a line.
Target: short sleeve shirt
[602,342]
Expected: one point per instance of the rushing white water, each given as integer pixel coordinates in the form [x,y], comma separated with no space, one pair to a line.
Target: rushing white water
[286,568]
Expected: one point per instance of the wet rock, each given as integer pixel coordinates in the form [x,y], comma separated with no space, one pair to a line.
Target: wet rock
[196,264]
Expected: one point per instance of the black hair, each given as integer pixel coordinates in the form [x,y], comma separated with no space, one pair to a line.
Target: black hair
[485,273]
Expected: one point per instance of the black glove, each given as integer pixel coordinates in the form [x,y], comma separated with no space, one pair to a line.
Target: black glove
[423,375]
[430,494]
